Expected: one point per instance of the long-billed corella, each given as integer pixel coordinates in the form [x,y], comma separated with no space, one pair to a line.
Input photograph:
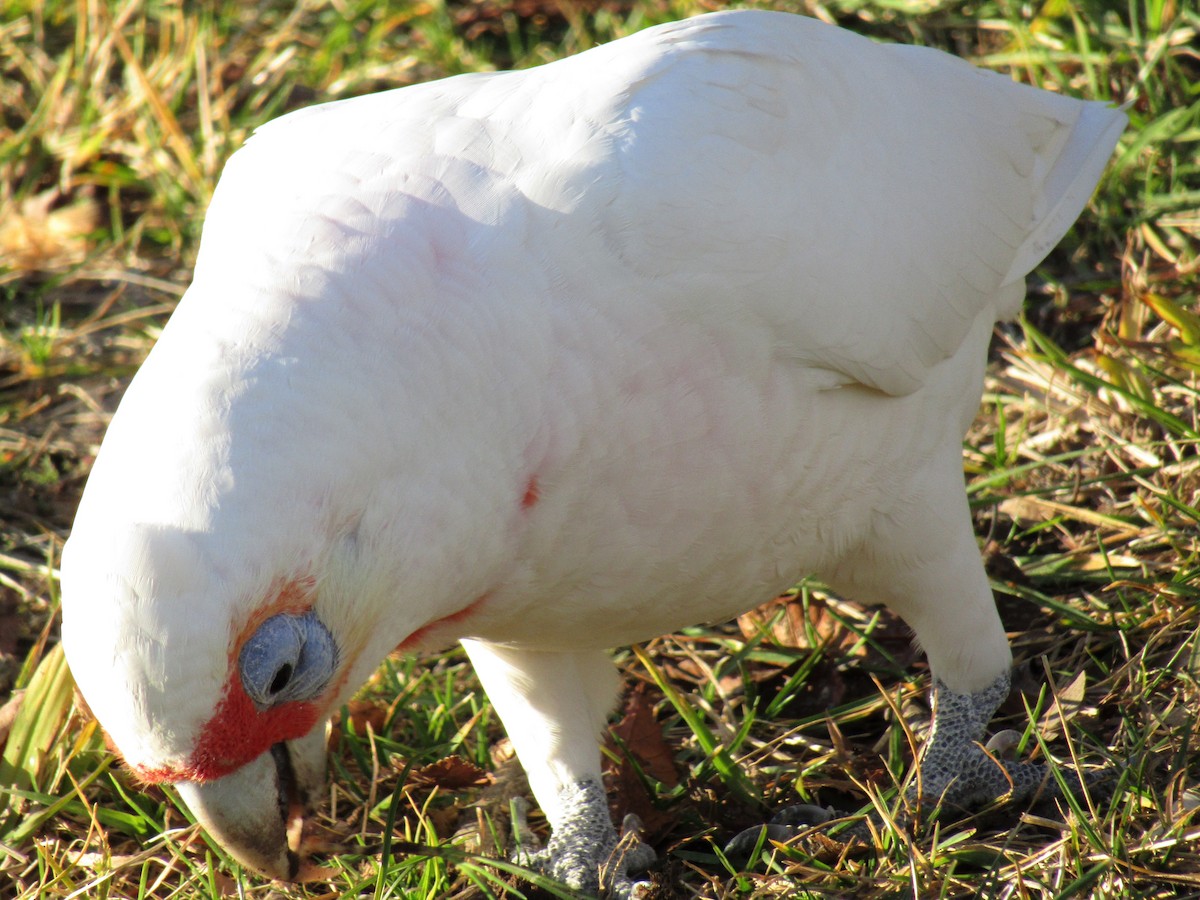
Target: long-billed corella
[556,360]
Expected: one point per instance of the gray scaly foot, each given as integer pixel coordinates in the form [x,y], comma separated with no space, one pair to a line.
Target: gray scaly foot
[955,771]
[585,851]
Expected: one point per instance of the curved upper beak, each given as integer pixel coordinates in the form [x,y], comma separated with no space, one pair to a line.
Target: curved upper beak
[255,812]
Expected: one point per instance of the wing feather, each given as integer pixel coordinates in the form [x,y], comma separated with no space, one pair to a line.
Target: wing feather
[862,203]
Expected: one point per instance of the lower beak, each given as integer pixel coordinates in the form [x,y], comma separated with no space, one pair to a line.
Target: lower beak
[255,812]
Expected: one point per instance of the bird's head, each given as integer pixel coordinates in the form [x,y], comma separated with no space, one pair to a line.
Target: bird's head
[316,464]
[251,543]
[213,611]
[208,679]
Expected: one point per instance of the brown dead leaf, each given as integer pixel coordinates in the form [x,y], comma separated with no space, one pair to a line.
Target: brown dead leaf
[362,714]
[451,774]
[783,619]
[786,630]
[642,737]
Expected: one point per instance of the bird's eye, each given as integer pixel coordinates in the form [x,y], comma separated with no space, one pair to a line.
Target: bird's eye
[288,658]
[282,677]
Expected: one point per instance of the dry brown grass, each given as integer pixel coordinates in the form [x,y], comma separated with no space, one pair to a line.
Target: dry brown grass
[114,122]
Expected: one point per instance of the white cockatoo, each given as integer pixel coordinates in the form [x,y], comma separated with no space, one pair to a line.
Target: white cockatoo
[552,361]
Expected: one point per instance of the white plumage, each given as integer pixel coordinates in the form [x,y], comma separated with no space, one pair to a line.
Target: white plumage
[558,360]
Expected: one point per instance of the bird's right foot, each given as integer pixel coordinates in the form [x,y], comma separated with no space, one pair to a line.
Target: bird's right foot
[586,852]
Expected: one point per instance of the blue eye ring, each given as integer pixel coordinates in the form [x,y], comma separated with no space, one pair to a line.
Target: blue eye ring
[288,658]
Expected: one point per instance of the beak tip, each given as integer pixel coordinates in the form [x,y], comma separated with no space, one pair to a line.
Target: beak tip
[241,812]
[252,811]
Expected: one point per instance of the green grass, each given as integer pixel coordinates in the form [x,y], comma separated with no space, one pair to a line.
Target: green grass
[115,120]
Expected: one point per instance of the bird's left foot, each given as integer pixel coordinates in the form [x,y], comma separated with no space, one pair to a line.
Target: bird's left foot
[956,772]
[586,852]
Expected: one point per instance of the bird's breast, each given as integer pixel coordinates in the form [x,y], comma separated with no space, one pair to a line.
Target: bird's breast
[705,477]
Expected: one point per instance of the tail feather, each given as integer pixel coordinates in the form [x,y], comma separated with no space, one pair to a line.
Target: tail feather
[1070,182]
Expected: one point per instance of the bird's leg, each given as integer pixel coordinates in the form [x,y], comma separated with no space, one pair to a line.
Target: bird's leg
[554,705]
[927,569]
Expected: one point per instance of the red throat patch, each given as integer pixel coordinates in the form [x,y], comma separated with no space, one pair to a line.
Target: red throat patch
[237,734]
[238,731]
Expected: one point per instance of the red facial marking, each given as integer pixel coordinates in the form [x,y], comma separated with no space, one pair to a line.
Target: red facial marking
[418,637]
[239,732]
[532,493]
[296,596]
